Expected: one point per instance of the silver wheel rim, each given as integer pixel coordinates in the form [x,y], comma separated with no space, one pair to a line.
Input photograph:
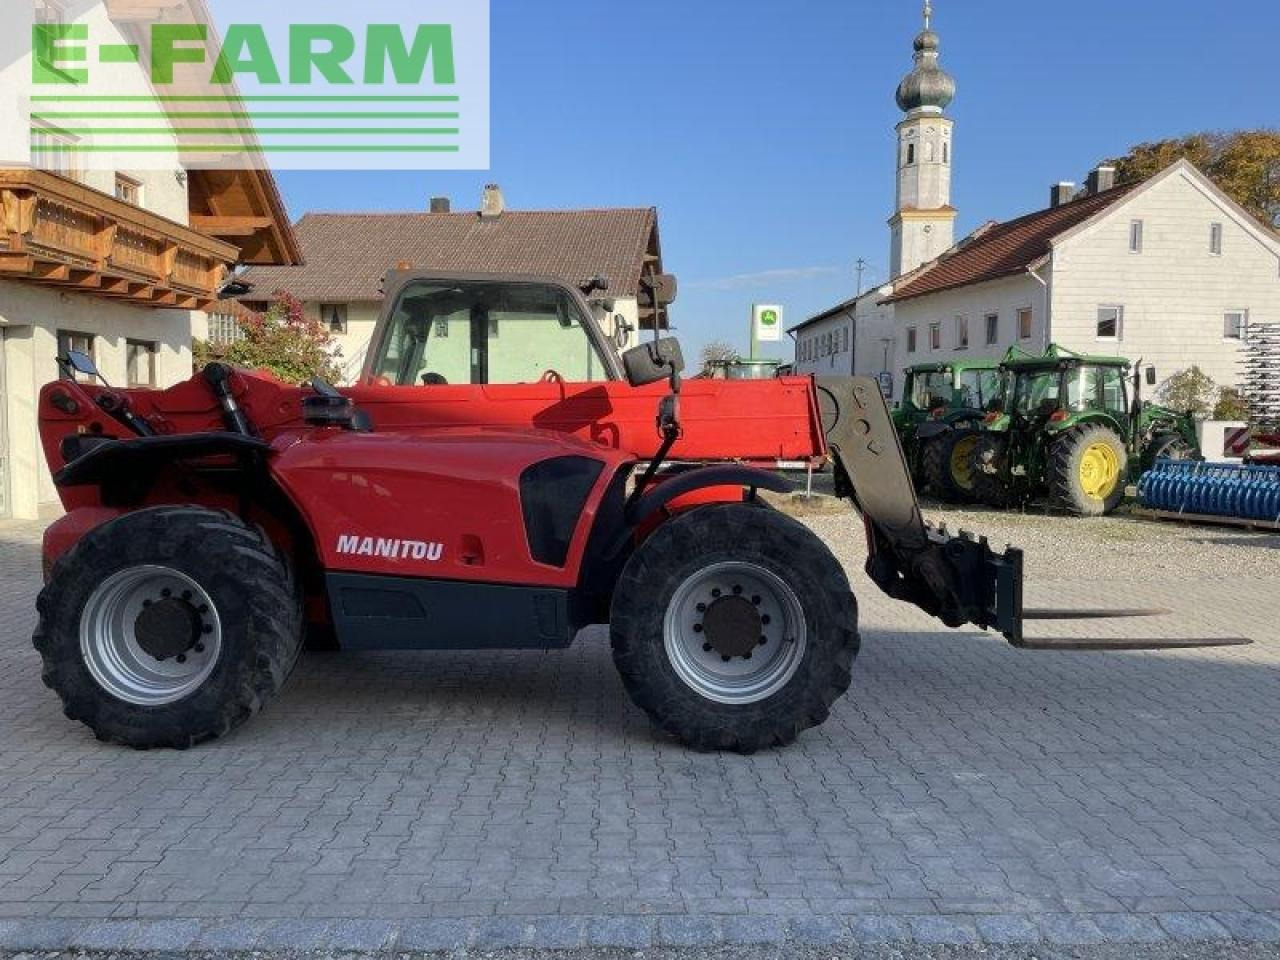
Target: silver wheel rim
[124,659]
[742,679]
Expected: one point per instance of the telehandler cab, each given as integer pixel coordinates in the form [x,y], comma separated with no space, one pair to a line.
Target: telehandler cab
[210,525]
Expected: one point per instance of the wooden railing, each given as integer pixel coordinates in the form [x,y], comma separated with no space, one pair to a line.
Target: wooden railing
[58,231]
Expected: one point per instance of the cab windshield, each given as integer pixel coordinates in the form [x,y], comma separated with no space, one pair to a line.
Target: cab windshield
[1036,394]
[978,388]
[477,333]
[931,390]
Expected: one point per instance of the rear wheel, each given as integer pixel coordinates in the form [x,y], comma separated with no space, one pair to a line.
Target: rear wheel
[992,482]
[949,465]
[1087,471]
[168,626]
[734,628]
[1171,446]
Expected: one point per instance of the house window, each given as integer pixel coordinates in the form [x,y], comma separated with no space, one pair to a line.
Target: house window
[334,316]
[140,358]
[911,154]
[911,339]
[51,150]
[128,189]
[1025,317]
[1135,236]
[1110,323]
[962,333]
[83,342]
[935,336]
[993,329]
[1235,324]
[1215,239]
[946,152]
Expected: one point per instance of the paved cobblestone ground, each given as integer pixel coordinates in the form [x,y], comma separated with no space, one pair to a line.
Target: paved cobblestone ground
[964,793]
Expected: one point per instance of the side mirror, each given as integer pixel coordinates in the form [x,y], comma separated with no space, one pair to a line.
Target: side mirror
[662,288]
[651,362]
[82,363]
[1151,376]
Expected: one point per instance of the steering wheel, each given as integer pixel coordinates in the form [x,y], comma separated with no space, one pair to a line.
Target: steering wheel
[552,376]
[433,379]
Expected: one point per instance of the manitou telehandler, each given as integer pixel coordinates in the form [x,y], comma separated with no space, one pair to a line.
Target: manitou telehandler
[493,482]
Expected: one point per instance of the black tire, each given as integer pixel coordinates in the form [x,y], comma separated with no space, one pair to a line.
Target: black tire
[253,596]
[698,541]
[950,480]
[1067,484]
[994,489]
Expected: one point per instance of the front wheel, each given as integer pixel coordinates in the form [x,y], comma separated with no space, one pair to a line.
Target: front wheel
[949,465]
[1087,471]
[734,628]
[168,626]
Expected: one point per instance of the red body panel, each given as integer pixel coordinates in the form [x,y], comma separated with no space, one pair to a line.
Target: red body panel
[443,465]
[455,492]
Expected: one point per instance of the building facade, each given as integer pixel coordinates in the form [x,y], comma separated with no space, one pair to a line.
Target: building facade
[1170,271]
[114,262]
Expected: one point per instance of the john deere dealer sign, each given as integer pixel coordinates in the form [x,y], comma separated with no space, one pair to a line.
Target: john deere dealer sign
[766,323]
[318,85]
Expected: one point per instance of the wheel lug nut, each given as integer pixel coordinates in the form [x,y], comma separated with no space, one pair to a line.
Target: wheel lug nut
[763,641]
[726,659]
[702,608]
[182,658]
[765,619]
[756,600]
[199,648]
[166,592]
[716,592]
[146,603]
[706,648]
[159,657]
[737,591]
[747,655]
[697,628]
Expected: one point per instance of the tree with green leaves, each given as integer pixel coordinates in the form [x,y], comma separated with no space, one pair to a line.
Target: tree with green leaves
[1244,163]
[283,340]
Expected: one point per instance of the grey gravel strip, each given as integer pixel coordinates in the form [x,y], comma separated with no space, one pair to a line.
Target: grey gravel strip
[635,933]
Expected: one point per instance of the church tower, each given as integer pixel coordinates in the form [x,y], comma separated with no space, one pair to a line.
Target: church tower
[923,225]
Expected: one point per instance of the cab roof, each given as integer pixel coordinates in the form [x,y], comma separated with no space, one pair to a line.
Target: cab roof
[948,365]
[1057,356]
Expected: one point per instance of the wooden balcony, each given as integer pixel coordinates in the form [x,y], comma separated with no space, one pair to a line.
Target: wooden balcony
[57,231]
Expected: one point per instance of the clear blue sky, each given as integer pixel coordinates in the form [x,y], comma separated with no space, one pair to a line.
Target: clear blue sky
[763,132]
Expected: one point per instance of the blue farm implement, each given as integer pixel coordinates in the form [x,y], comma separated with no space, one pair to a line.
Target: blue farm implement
[1244,493]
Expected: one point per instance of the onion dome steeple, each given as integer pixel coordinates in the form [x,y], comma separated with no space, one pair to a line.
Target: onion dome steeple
[927,88]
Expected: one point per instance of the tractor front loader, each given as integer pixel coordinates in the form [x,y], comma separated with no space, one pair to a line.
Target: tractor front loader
[497,480]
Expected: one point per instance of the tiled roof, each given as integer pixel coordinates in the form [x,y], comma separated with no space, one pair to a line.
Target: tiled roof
[1005,249]
[347,254]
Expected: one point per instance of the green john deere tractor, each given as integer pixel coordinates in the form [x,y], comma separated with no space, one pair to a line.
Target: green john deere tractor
[1075,429]
[941,410]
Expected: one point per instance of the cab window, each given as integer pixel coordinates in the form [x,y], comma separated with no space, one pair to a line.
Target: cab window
[931,390]
[978,388]
[477,333]
[1036,394]
[1097,388]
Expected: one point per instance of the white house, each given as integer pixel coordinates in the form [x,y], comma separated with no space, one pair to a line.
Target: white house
[114,262]
[1171,271]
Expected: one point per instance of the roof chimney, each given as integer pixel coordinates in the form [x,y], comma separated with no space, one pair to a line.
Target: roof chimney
[1061,193]
[494,203]
[1102,179]
[439,204]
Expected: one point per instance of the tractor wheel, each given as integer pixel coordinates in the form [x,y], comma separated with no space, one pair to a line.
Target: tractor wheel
[1087,471]
[949,466]
[168,626]
[734,628]
[991,481]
